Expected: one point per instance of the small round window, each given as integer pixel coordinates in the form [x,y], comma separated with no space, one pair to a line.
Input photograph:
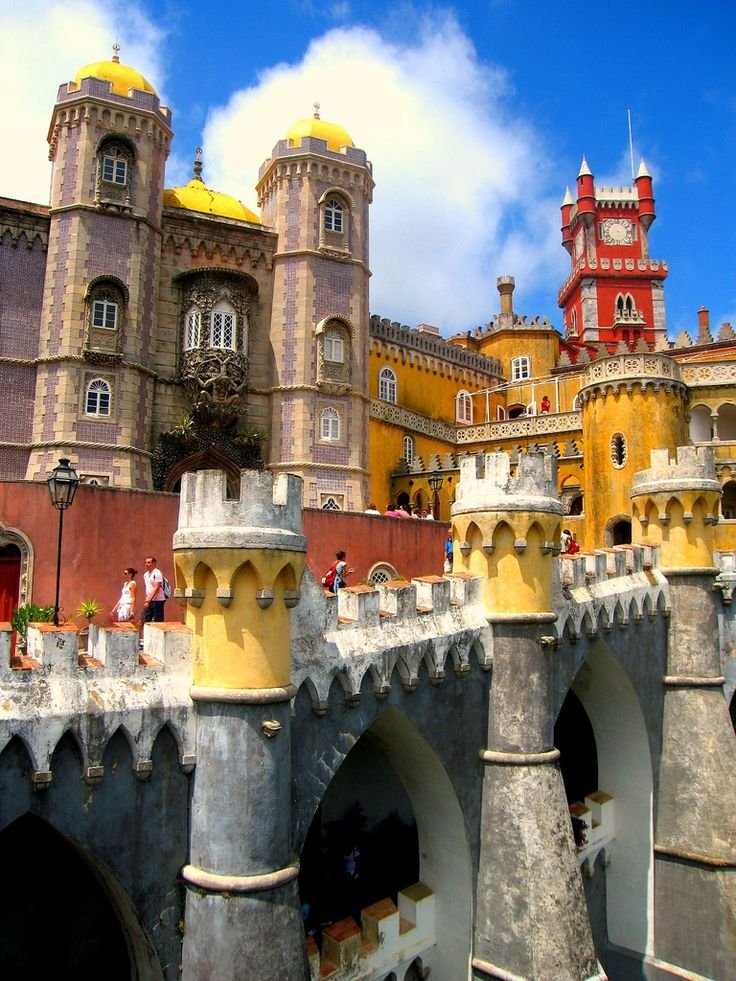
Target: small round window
[380,573]
[618,450]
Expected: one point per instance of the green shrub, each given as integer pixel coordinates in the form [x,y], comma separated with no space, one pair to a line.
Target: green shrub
[29,613]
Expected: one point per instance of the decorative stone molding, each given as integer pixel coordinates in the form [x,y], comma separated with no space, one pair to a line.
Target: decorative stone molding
[413,421]
[625,370]
[215,382]
[709,375]
[560,422]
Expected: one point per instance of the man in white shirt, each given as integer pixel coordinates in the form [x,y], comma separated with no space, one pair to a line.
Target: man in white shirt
[154,599]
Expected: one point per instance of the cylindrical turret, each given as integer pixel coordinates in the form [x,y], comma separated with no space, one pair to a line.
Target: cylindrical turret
[586,193]
[645,193]
[566,210]
[239,564]
[618,393]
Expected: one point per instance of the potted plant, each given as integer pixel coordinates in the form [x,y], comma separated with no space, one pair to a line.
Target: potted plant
[88,609]
[25,614]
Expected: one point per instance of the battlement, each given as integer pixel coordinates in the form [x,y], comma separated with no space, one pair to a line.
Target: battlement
[486,484]
[427,342]
[55,687]
[267,514]
[692,469]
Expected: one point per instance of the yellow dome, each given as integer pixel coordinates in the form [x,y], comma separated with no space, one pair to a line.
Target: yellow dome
[196,196]
[123,77]
[335,136]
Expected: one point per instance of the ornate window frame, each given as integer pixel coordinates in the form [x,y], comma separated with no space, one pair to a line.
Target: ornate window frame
[334,376]
[103,294]
[335,208]
[408,449]
[115,171]
[13,536]
[619,451]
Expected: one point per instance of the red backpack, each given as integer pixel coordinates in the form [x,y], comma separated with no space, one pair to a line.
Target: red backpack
[329,578]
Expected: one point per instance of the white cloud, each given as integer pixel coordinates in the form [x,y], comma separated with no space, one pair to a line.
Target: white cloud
[44,44]
[459,181]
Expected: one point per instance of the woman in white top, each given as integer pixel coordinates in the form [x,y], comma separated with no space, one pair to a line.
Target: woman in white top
[125,606]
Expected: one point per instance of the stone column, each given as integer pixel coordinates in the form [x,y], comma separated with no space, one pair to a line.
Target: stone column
[531,915]
[676,504]
[239,564]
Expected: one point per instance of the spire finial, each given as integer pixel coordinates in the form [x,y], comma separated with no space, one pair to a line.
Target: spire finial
[116,53]
[198,164]
[316,110]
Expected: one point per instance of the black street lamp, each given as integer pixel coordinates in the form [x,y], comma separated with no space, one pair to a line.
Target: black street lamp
[63,484]
[435,482]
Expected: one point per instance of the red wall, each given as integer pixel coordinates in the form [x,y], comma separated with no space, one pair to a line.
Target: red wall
[107,529]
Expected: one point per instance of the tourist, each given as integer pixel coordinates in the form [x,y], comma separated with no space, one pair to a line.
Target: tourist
[155,599]
[568,543]
[545,406]
[334,578]
[372,509]
[448,553]
[125,606]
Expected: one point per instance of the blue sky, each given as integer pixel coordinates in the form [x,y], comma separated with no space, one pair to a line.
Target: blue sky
[475,117]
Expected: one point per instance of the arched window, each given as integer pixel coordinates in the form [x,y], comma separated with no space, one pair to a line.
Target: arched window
[618,451]
[387,385]
[409,449]
[334,215]
[105,306]
[701,424]
[222,326]
[329,425]
[521,368]
[726,426]
[728,501]
[97,400]
[463,407]
[193,328]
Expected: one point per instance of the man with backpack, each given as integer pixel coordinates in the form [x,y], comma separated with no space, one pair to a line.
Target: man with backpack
[155,596]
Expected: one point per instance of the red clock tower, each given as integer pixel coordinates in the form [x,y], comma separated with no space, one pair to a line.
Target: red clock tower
[615,291]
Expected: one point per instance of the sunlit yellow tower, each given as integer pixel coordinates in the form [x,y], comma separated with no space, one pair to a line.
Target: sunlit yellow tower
[631,404]
[506,530]
[239,566]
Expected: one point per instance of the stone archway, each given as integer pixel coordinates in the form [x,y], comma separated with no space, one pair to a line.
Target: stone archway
[624,762]
[89,925]
[19,551]
[617,530]
[443,854]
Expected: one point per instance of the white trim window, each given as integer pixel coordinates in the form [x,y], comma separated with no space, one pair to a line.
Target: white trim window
[409,449]
[114,167]
[222,326]
[193,329]
[334,346]
[387,385]
[329,425]
[463,407]
[98,398]
[521,368]
[334,209]
[105,311]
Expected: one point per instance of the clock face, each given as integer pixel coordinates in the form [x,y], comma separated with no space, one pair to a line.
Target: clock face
[617,231]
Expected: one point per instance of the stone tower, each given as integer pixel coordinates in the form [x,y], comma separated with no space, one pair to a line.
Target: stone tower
[676,505]
[617,394]
[615,291]
[532,921]
[109,139]
[315,191]
[239,565]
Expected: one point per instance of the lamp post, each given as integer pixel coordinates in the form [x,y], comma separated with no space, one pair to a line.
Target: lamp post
[435,482]
[63,484]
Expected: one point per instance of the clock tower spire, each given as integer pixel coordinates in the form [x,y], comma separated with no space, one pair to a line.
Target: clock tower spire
[615,290]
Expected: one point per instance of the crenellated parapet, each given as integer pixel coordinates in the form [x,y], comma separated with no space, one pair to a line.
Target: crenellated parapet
[506,529]
[649,370]
[54,689]
[239,565]
[675,504]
